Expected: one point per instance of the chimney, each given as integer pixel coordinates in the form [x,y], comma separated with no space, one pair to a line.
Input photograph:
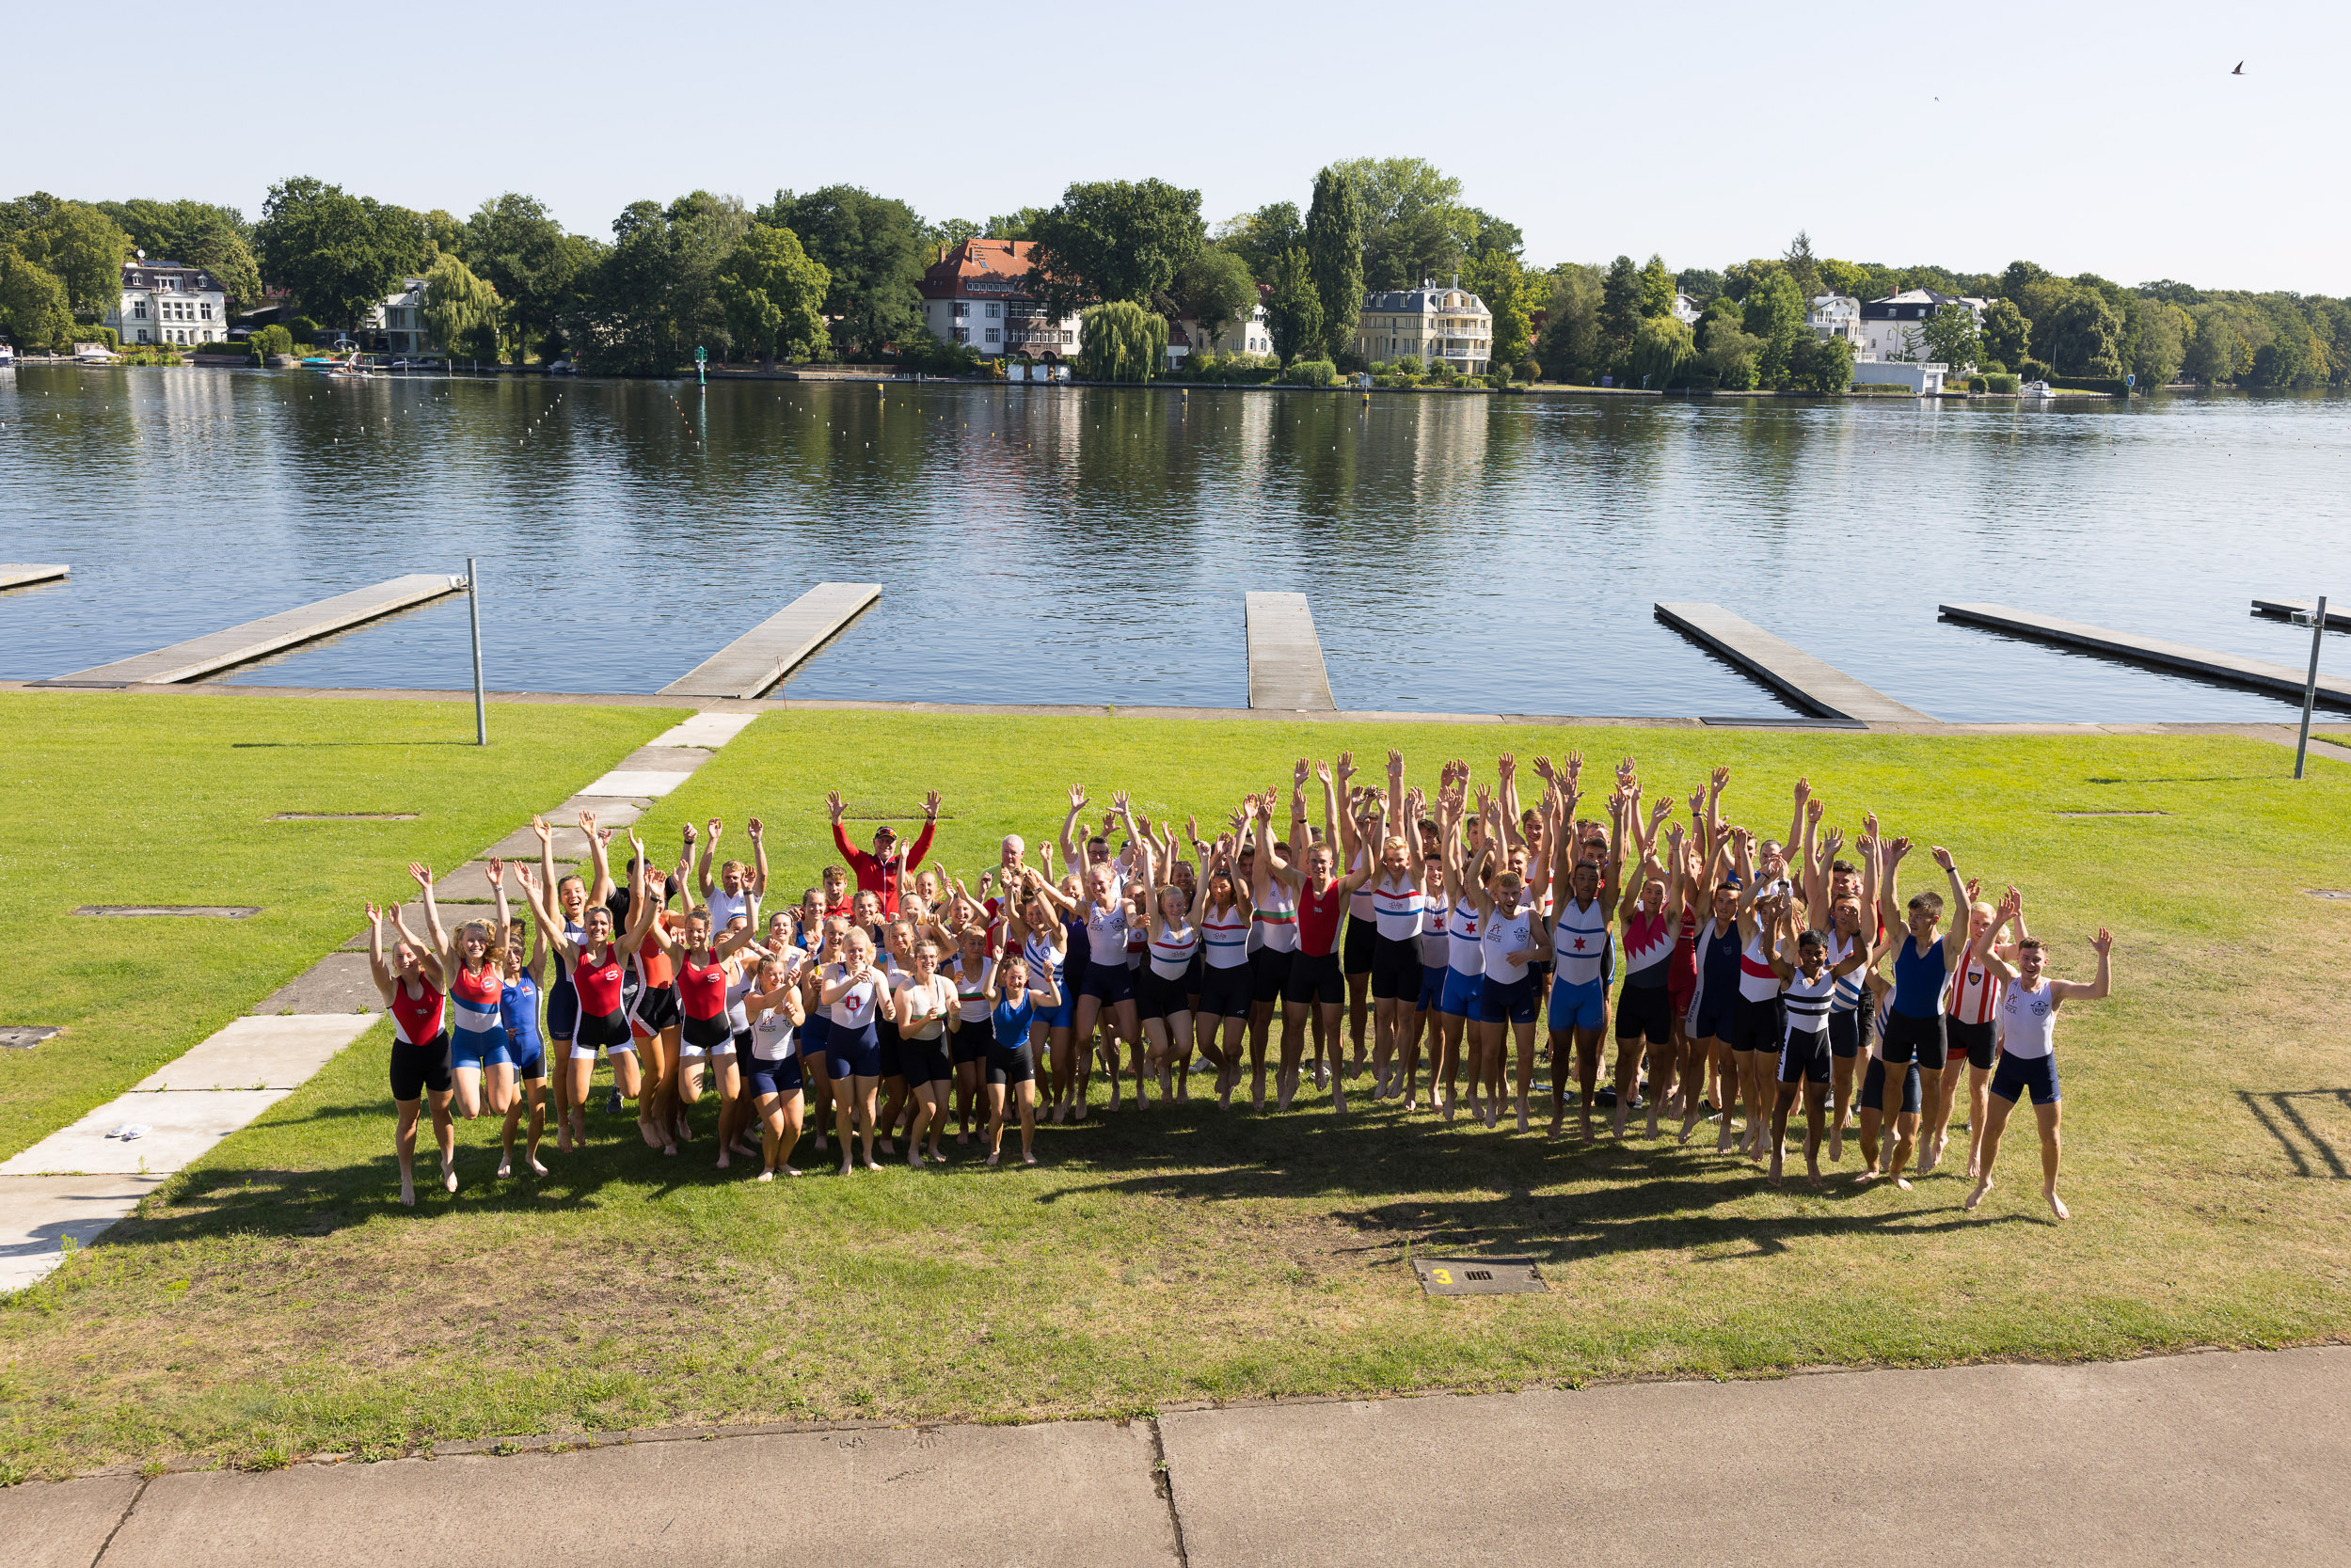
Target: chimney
[1456,281]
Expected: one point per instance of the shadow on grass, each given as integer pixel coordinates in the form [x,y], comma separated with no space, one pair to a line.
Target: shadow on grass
[1399,1182]
[2283,1118]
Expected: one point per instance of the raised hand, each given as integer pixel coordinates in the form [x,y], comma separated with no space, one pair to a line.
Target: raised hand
[1575,767]
[1506,766]
[714,832]
[1543,768]
[1697,803]
[1804,789]
[1869,823]
[753,829]
[1119,802]
[2103,941]
[495,871]
[1298,774]
[1322,772]
[833,803]
[1720,781]
[1830,842]
[374,915]
[2010,902]
[423,877]
[587,824]
[1895,850]
[1942,856]
[538,826]
[688,831]
[1346,764]
[1812,810]
[1191,828]
[1659,813]
[522,875]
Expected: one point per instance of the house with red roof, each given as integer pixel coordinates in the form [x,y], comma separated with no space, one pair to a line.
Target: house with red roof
[978,293]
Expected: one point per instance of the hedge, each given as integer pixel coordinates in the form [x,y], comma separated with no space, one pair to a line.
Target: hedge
[2090,383]
[1311,372]
[2002,383]
[1883,388]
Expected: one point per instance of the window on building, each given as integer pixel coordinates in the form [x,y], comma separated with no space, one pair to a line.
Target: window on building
[996,310]
[206,309]
[962,308]
[995,334]
[962,334]
[142,334]
[138,309]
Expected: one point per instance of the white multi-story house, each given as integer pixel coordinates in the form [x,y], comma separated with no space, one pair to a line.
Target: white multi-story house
[1686,310]
[1835,316]
[1893,327]
[1431,322]
[976,293]
[163,302]
[1250,335]
[397,325]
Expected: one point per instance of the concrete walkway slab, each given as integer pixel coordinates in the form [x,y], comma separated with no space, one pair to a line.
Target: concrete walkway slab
[611,811]
[23,574]
[1080,1494]
[63,1526]
[708,731]
[37,1212]
[2193,1460]
[2203,663]
[256,1052]
[634,783]
[203,656]
[180,1128]
[338,983]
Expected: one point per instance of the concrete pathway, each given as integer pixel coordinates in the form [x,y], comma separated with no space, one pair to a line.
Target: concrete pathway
[74,1183]
[2202,1460]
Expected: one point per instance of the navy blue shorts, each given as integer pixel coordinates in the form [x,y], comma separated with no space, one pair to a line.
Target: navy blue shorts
[1108,983]
[2019,1075]
[782,1078]
[562,1013]
[1848,1032]
[1873,1087]
[1913,1039]
[886,1049]
[1460,996]
[1713,1021]
[1062,1014]
[1508,1000]
[852,1053]
[1431,986]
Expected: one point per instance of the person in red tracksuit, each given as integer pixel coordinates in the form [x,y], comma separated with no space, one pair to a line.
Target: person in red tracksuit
[883,871]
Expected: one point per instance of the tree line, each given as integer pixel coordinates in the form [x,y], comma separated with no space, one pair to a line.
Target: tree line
[833,273]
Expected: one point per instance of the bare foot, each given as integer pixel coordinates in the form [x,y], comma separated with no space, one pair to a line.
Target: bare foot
[1983,1185]
[766,1176]
[792,1170]
[1837,1144]
[505,1168]
[536,1168]
[449,1178]
[1867,1173]
[869,1164]
[1811,1170]
[1933,1157]
[2056,1206]
[1904,1182]
[914,1159]
[994,1155]
[722,1156]
[1077,1111]
[1774,1175]
[847,1166]
[407,1192]
[887,1147]
[1028,1159]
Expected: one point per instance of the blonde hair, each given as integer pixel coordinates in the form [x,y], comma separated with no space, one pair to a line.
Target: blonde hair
[491,945]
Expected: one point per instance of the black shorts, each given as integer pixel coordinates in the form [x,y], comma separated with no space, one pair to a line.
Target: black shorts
[1225,992]
[1981,1042]
[1395,967]
[1110,982]
[925,1061]
[609,1032]
[1805,1057]
[885,1045]
[1267,970]
[1756,1025]
[1011,1066]
[418,1068]
[970,1042]
[1156,996]
[1196,975]
[656,1009]
[1913,1039]
[781,1079]
[708,1033]
[1644,1010]
[1873,1087]
[1849,1033]
[1359,953]
[1314,977]
[563,1011]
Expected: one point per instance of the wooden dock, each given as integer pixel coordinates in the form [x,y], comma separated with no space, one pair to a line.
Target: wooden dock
[204,655]
[757,661]
[2285,609]
[1809,683]
[1286,656]
[2227,668]
[23,574]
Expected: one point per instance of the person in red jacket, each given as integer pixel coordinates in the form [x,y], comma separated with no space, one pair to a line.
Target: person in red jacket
[884,870]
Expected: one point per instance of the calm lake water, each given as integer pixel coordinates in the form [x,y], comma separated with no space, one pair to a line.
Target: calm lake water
[1056,546]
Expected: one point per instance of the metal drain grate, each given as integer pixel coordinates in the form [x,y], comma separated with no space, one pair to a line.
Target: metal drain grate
[1478,1276]
[210,911]
[24,1036]
[345,816]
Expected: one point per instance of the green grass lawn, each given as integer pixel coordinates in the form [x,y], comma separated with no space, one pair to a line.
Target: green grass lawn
[167,800]
[274,1301]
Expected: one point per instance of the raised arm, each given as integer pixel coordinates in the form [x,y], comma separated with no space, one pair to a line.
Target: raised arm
[376,964]
[1955,936]
[759,859]
[930,828]
[1984,949]
[546,852]
[550,922]
[2098,990]
[496,872]
[1071,853]
[599,861]
[1506,787]
[702,864]
[1889,886]
[433,926]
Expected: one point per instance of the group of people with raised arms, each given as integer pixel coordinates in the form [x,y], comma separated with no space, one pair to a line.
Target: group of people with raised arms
[1750,975]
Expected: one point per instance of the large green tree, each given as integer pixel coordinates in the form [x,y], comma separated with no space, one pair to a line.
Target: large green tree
[196,234]
[1661,346]
[2082,336]
[1804,268]
[1213,288]
[461,310]
[35,310]
[1775,313]
[1334,249]
[513,241]
[873,250]
[773,295]
[2006,335]
[1952,337]
[1293,312]
[1262,237]
[1415,226]
[653,298]
[1570,348]
[1657,288]
[74,242]
[2163,331]
[1495,277]
[1122,340]
[341,254]
[1620,309]
[1819,364]
[1115,239]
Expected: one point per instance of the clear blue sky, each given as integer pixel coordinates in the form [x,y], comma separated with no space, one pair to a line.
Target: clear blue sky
[2097,138]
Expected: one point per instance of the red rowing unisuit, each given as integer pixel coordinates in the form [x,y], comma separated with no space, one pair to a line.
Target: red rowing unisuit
[702,993]
[598,982]
[1318,918]
[416,1020]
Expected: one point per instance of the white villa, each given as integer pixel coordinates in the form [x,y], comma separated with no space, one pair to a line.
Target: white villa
[1836,316]
[976,293]
[1890,327]
[397,325]
[1431,322]
[163,302]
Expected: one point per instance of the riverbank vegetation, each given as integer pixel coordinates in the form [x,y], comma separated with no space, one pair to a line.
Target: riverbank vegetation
[274,1301]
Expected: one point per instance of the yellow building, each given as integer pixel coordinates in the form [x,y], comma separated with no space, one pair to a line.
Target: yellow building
[1432,323]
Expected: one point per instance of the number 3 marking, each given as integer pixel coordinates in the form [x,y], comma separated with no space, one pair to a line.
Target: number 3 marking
[1442,1277]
